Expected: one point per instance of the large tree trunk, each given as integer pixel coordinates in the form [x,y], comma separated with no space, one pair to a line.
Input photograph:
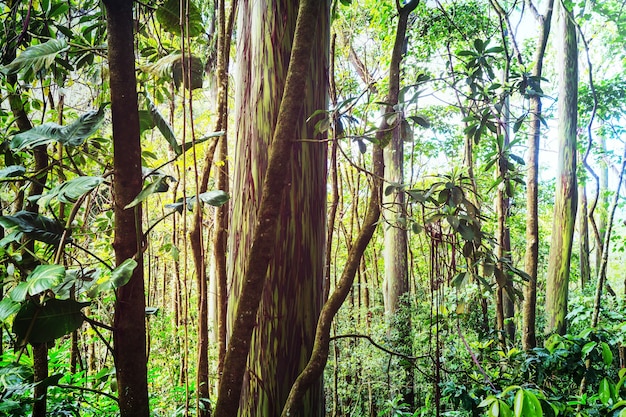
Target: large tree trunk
[566,192]
[531,261]
[129,334]
[319,356]
[279,319]
[292,297]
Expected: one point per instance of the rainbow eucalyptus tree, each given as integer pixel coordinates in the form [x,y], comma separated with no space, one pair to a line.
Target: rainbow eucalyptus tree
[566,188]
[292,295]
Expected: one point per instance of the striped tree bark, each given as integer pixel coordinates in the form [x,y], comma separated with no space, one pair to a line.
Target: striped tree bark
[292,296]
[566,188]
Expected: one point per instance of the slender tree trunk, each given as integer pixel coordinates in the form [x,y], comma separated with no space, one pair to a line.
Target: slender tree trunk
[225,29]
[129,334]
[583,232]
[566,191]
[531,261]
[605,247]
[395,249]
[603,206]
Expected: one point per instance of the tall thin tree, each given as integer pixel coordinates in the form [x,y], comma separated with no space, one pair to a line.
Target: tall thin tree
[531,260]
[129,333]
[566,189]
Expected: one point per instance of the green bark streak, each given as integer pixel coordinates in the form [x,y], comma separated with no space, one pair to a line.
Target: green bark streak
[566,188]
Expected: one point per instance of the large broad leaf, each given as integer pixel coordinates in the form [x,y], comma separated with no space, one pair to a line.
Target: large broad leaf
[37,57]
[49,321]
[8,307]
[164,127]
[43,278]
[214,198]
[12,171]
[168,16]
[35,226]
[123,273]
[73,134]
[14,377]
[118,278]
[70,191]
[187,145]
[156,186]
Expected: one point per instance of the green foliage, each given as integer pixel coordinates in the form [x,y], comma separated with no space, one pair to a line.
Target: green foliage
[36,57]
[169,16]
[34,226]
[73,134]
[50,320]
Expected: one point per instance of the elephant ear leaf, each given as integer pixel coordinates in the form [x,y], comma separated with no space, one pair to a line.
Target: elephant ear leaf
[35,226]
[36,57]
[73,134]
[70,191]
[168,16]
[43,323]
[43,278]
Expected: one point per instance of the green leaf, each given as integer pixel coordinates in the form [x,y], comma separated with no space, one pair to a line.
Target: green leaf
[604,391]
[607,355]
[420,120]
[164,127]
[49,321]
[36,57]
[505,410]
[215,198]
[8,307]
[487,401]
[154,187]
[119,277]
[70,191]
[494,410]
[123,273]
[532,406]
[35,226]
[518,123]
[588,347]
[43,278]
[12,171]
[168,16]
[73,134]
[188,145]
[518,403]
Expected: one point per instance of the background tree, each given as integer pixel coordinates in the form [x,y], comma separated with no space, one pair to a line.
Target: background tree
[531,259]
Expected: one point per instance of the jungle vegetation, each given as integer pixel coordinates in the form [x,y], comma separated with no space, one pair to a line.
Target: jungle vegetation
[312,208]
